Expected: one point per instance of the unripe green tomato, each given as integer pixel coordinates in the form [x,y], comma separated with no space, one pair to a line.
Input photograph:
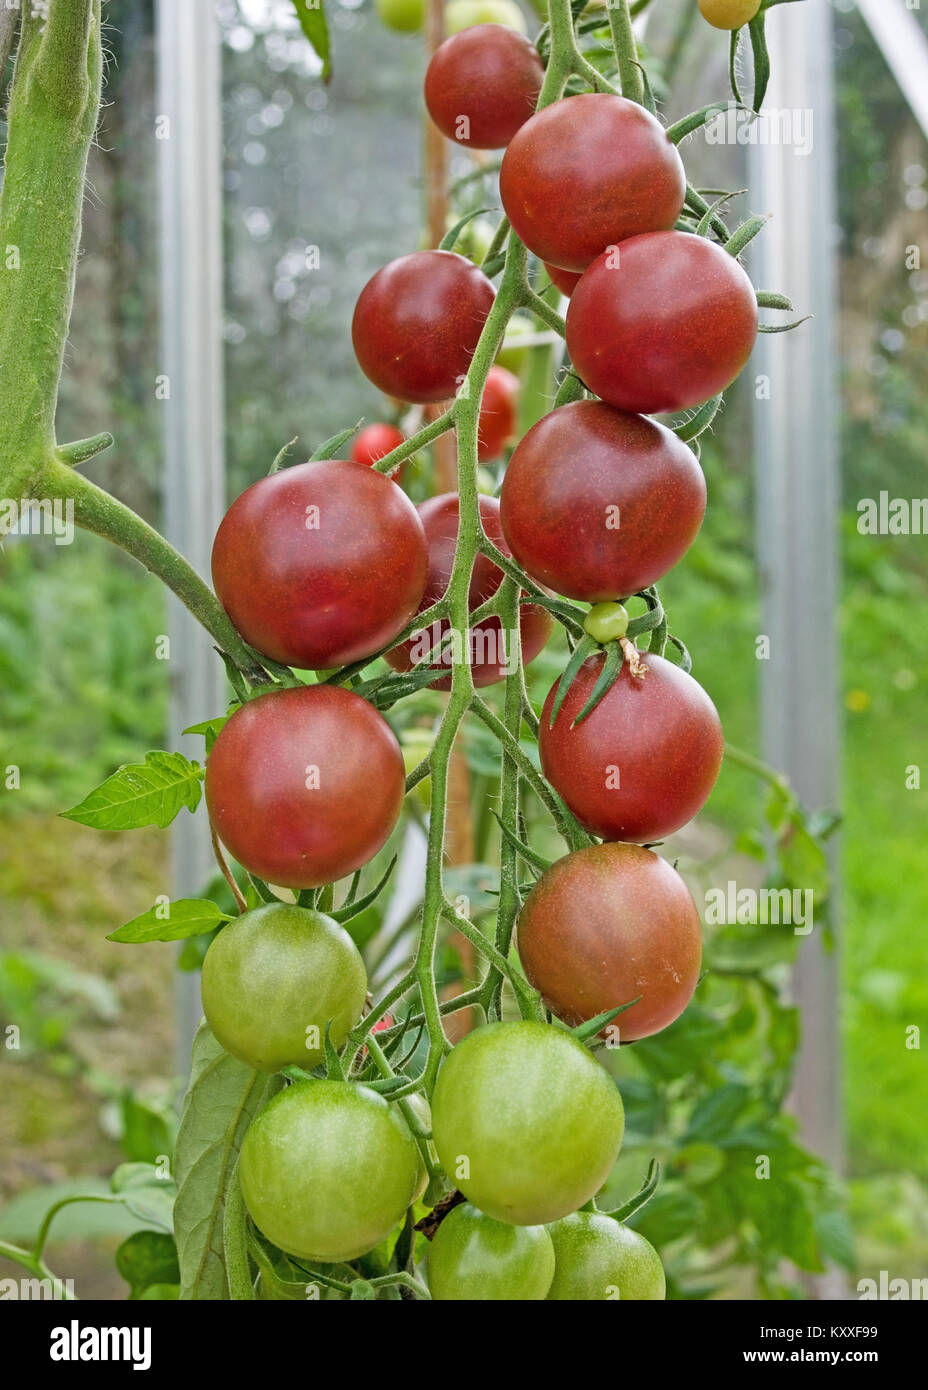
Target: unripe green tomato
[728,14]
[274,978]
[416,745]
[328,1168]
[513,354]
[463,14]
[421,1106]
[405,16]
[474,238]
[606,622]
[597,1258]
[474,1258]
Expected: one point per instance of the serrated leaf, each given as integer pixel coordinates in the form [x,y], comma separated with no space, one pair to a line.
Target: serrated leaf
[315,26]
[186,917]
[222,1098]
[142,794]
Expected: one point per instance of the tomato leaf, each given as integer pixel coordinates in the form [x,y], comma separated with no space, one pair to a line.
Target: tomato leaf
[450,239]
[147,1258]
[316,28]
[331,447]
[140,794]
[222,1098]
[172,922]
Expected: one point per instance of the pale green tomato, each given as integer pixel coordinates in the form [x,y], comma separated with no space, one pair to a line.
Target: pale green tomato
[274,978]
[514,352]
[606,622]
[405,16]
[416,745]
[728,14]
[463,14]
[596,1258]
[475,1258]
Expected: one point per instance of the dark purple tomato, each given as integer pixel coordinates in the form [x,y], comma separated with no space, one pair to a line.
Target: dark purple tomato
[320,565]
[417,322]
[497,422]
[597,504]
[607,925]
[586,173]
[375,442]
[644,762]
[482,85]
[664,322]
[304,786]
[565,280]
[489,645]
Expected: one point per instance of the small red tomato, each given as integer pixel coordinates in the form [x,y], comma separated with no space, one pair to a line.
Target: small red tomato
[644,762]
[664,322]
[417,322]
[497,422]
[565,280]
[597,504]
[606,925]
[586,173]
[482,85]
[489,644]
[374,443]
[321,564]
[305,785]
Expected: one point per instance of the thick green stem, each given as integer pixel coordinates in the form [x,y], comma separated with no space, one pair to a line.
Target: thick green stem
[626,50]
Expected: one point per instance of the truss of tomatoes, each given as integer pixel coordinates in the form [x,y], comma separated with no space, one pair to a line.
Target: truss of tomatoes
[328,564]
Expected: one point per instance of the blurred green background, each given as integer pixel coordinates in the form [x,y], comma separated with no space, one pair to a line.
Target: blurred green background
[81,690]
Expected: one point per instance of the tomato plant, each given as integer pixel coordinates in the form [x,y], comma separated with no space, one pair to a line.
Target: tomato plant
[608,925]
[375,441]
[462,14]
[405,16]
[613,526]
[664,322]
[274,980]
[497,423]
[586,173]
[321,564]
[597,1258]
[728,14]
[644,761]
[565,280]
[305,785]
[482,85]
[474,1257]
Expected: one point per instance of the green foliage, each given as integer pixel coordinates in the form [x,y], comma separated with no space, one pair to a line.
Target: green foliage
[139,794]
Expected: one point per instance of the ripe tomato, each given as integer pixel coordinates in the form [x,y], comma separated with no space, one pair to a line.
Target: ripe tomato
[321,564]
[274,978]
[664,323]
[490,647]
[644,762]
[374,443]
[598,504]
[482,85]
[475,1258]
[586,173]
[405,16]
[565,280]
[461,14]
[728,14]
[417,322]
[526,1122]
[497,422]
[328,1168]
[304,786]
[604,925]
[597,1258]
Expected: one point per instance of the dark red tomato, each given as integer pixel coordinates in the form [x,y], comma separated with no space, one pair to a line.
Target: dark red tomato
[606,925]
[586,173]
[644,762]
[664,323]
[565,280]
[304,786]
[497,423]
[482,85]
[417,322]
[489,645]
[321,564]
[598,504]
[375,442]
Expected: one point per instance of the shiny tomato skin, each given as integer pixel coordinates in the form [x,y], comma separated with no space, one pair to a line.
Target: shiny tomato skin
[658,737]
[664,323]
[328,1169]
[273,978]
[597,504]
[482,85]
[526,1122]
[440,520]
[497,420]
[257,775]
[599,1259]
[586,173]
[374,442]
[565,280]
[605,925]
[728,14]
[417,322]
[474,1258]
[321,564]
